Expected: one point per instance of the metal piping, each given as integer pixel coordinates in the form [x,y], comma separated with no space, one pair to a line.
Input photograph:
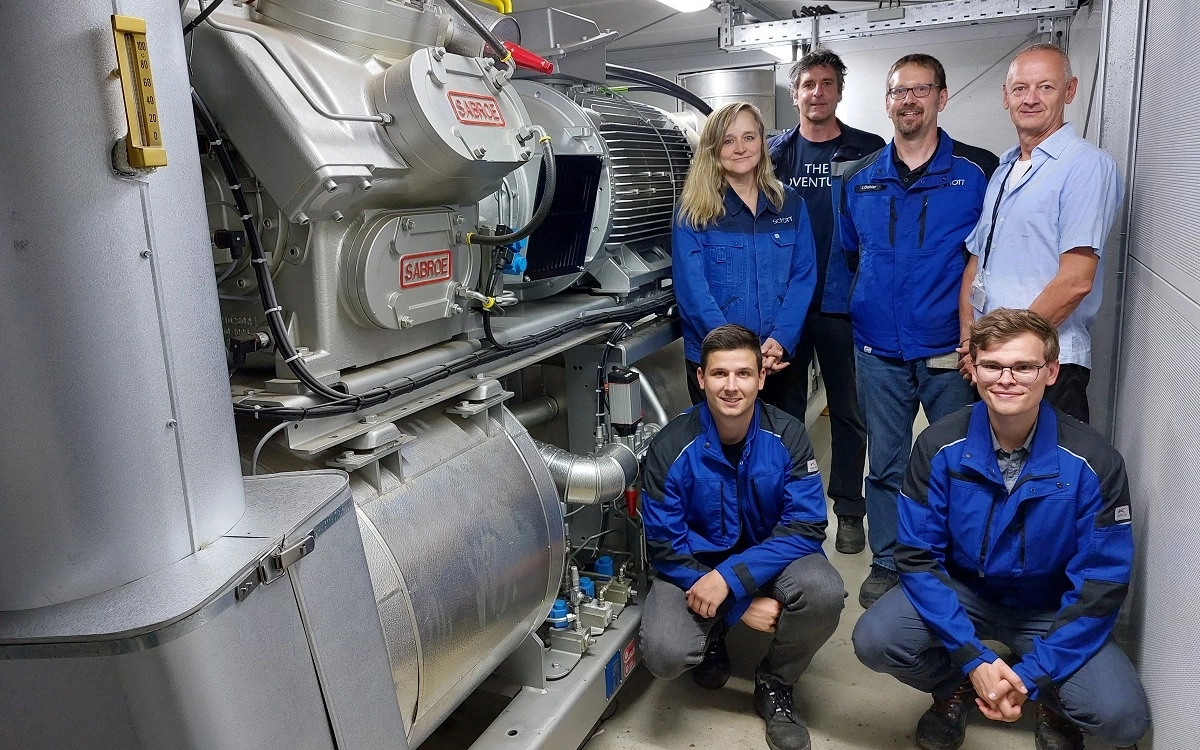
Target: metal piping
[537,411]
[382,117]
[660,414]
[590,480]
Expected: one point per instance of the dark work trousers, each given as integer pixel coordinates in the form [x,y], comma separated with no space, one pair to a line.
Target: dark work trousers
[1069,392]
[830,336]
[1104,697]
[779,391]
[812,595]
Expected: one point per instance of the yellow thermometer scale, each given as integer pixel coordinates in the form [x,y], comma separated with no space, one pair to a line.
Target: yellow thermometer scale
[144,145]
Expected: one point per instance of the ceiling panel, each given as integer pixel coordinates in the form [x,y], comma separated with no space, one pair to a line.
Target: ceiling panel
[648,23]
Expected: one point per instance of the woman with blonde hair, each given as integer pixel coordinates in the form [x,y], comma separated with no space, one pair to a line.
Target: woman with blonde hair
[742,250]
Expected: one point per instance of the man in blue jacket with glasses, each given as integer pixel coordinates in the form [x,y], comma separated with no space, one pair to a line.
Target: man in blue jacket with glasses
[1015,526]
[905,213]
[734,516]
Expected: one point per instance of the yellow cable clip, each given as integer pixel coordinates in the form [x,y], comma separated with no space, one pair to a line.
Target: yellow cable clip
[469,236]
[489,303]
[545,139]
[507,56]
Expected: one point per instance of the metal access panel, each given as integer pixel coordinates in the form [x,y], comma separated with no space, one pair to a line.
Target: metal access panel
[267,638]
[1158,395]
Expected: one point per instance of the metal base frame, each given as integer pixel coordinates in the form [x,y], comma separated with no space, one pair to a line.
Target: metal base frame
[560,715]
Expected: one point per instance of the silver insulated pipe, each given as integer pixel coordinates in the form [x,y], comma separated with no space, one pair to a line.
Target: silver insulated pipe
[590,480]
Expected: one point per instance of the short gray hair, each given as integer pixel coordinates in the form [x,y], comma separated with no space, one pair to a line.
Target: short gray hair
[1047,47]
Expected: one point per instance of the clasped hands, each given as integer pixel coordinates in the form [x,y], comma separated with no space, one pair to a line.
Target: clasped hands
[708,593]
[999,691]
[773,355]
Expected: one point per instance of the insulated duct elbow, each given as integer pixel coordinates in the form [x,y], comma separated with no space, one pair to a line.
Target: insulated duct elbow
[590,480]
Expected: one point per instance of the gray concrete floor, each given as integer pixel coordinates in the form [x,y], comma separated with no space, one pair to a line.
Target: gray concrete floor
[846,706]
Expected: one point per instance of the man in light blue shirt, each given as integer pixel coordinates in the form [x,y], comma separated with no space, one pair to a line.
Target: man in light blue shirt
[1047,212]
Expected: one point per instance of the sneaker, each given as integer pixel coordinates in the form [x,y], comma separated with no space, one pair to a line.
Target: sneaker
[713,672]
[878,583]
[1056,732]
[851,539]
[773,702]
[944,725]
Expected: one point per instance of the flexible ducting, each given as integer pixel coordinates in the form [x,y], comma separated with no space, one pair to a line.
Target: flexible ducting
[590,480]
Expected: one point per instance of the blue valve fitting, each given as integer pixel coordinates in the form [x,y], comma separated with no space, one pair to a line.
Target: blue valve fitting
[558,613]
[604,566]
[518,264]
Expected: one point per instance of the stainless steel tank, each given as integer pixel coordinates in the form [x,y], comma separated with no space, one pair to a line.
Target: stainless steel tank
[464,537]
[721,87]
[118,455]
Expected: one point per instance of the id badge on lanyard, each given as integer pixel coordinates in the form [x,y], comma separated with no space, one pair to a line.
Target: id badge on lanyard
[978,293]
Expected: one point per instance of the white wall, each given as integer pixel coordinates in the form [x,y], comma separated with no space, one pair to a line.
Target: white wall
[975,57]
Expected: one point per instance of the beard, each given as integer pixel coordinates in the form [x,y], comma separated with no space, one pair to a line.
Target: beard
[904,127]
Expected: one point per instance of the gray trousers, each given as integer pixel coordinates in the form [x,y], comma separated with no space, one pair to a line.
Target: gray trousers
[812,595]
[1104,697]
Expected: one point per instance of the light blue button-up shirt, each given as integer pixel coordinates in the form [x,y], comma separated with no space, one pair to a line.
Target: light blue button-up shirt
[1068,199]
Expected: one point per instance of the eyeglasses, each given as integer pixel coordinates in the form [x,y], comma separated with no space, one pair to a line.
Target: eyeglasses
[920,91]
[990,372]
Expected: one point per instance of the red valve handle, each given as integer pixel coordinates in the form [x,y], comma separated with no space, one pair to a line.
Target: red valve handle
[526,59]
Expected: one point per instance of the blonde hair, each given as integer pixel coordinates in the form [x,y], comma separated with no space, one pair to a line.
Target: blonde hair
[703,199]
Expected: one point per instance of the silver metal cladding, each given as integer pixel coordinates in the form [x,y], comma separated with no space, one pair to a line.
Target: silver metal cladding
[465,543]
[459,124]
[362,28]
[118,456]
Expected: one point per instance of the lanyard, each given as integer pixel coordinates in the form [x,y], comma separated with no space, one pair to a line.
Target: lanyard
[987,249]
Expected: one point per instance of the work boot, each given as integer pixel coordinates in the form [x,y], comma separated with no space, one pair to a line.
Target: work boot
[713,672]
[851,539]
[878,583]
[773,702]
[1056,732]
[944,725]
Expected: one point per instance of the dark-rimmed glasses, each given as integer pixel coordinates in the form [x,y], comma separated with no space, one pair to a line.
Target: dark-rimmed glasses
[921,90]
[1023,372]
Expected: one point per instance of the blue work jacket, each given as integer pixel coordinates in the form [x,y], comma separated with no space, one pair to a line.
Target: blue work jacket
[856,144]
[905,245]
[1061,540]
[748,521]
[757,270]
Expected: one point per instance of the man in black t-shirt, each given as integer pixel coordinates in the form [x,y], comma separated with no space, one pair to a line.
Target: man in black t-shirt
[807,157]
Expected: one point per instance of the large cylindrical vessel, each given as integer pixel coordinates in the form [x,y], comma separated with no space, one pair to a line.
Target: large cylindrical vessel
[464,537]
[721,87]
[118,455]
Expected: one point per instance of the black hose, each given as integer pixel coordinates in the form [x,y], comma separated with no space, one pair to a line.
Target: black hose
[539,215]
[492,40]
[258,260]
[658,305]
[622,73]
[200,17]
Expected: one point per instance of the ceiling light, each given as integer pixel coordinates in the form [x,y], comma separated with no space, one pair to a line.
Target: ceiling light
[687,6]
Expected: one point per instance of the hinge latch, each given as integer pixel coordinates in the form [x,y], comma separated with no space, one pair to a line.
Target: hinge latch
[272,565]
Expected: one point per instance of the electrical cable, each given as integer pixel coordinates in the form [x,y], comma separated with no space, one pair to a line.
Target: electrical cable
[539,215]
[258,448]
[622,73]
[258,260]
[201,17]
[656,306]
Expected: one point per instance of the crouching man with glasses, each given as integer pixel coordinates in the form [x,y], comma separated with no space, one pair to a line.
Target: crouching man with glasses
[1015,526]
